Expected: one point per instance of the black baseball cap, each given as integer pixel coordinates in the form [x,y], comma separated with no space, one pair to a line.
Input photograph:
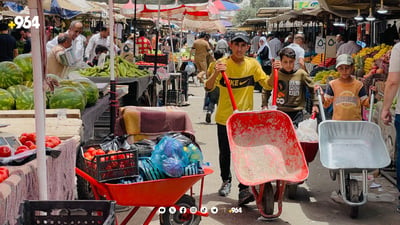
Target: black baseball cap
[241,36]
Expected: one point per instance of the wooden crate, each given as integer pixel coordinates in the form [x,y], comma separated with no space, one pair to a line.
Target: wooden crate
[21,121]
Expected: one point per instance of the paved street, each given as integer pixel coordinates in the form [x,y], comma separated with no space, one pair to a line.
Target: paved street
[312,206]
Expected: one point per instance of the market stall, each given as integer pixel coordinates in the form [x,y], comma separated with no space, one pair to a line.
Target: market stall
[23,181]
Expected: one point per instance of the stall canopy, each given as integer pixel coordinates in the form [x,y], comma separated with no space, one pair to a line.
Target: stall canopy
[348,8]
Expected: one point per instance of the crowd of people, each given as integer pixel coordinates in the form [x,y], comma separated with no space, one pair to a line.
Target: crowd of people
[251,61]
[248,63]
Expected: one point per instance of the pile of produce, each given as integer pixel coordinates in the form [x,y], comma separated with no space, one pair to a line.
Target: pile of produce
[76,94]
[28,141]
[372,60]
[323,76]
[122,68]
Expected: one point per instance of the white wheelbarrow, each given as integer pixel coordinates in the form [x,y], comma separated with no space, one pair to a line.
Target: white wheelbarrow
[351,147]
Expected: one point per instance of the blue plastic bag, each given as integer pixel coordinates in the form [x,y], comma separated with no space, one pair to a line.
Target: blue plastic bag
[169,156]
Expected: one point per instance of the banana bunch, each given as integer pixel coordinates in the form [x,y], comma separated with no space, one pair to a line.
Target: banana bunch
[323,76]
[122,68]
[368,64]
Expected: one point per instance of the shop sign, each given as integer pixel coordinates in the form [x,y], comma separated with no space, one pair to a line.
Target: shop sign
[319,45]
[330,47]
[190,40]
[305,4]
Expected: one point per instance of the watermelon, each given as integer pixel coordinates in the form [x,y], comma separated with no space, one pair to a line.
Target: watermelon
[25,100]
[7,101]
[92,92]
[75,84]
[10,74]
[27,83]
[24,61]
[67,97]
[17,90]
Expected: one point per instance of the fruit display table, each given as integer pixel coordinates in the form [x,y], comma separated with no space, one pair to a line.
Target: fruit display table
[23,181]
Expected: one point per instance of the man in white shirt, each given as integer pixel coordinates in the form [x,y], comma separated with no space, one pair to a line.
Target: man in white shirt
[101,38]
[78,44]
[350,47]
[222,45]
[275,44]
[297,47]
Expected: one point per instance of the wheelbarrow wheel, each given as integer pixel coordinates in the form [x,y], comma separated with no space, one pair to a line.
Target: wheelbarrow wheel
[354,197]
[268,199]
[292,190]
[181,218]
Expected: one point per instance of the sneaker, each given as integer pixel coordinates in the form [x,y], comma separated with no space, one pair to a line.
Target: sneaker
[225,188]
[336,196]
[208,117]
[245,197]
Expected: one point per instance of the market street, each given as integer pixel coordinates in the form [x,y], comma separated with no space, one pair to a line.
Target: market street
[312,206]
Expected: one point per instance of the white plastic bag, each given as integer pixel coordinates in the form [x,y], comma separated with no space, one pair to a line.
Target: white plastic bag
[307,130]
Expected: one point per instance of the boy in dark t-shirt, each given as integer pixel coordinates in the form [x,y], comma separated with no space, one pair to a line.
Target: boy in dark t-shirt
[292,84]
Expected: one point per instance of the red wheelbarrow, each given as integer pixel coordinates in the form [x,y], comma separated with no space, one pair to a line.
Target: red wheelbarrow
[168,192]
[265,150]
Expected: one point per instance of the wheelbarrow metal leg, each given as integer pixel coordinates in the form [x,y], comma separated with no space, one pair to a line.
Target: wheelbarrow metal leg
[344,192]
[151,215]
[278,197]
[130,215]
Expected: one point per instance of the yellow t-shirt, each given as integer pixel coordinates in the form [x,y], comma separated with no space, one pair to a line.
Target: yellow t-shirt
[242,78]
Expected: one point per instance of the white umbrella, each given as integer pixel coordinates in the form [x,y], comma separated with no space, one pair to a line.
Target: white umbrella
[74,5]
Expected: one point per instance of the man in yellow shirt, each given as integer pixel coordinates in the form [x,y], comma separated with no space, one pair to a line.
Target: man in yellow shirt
[243,73]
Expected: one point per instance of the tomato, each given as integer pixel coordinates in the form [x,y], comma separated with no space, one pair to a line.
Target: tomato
[112,157]
[3,175]
[21,149]
[32,137]
[49,144]
[55,140]
[3,168]
[29,143]
[100,152]
[23,139]
[91,150]
[88,156]
[121,156]
[32,147]
[5,151]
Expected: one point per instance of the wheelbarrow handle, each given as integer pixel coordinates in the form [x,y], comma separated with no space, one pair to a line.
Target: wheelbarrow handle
[371,105]
[321,105]
[275,92]
[228,85]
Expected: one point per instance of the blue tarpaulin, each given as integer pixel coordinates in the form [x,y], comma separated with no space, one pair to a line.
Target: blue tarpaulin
[55,9]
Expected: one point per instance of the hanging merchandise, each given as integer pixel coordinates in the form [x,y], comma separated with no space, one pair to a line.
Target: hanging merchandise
[359,32]
[367,28]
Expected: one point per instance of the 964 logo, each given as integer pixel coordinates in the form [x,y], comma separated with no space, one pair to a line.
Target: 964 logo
[24,22]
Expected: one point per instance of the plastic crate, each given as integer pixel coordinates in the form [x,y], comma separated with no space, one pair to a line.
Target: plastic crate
[152,58]
[67,212]
[110,167]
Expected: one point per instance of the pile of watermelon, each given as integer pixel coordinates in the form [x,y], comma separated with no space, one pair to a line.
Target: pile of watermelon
[16,88]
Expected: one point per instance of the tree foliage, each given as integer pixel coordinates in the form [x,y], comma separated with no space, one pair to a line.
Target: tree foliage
[250,11]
